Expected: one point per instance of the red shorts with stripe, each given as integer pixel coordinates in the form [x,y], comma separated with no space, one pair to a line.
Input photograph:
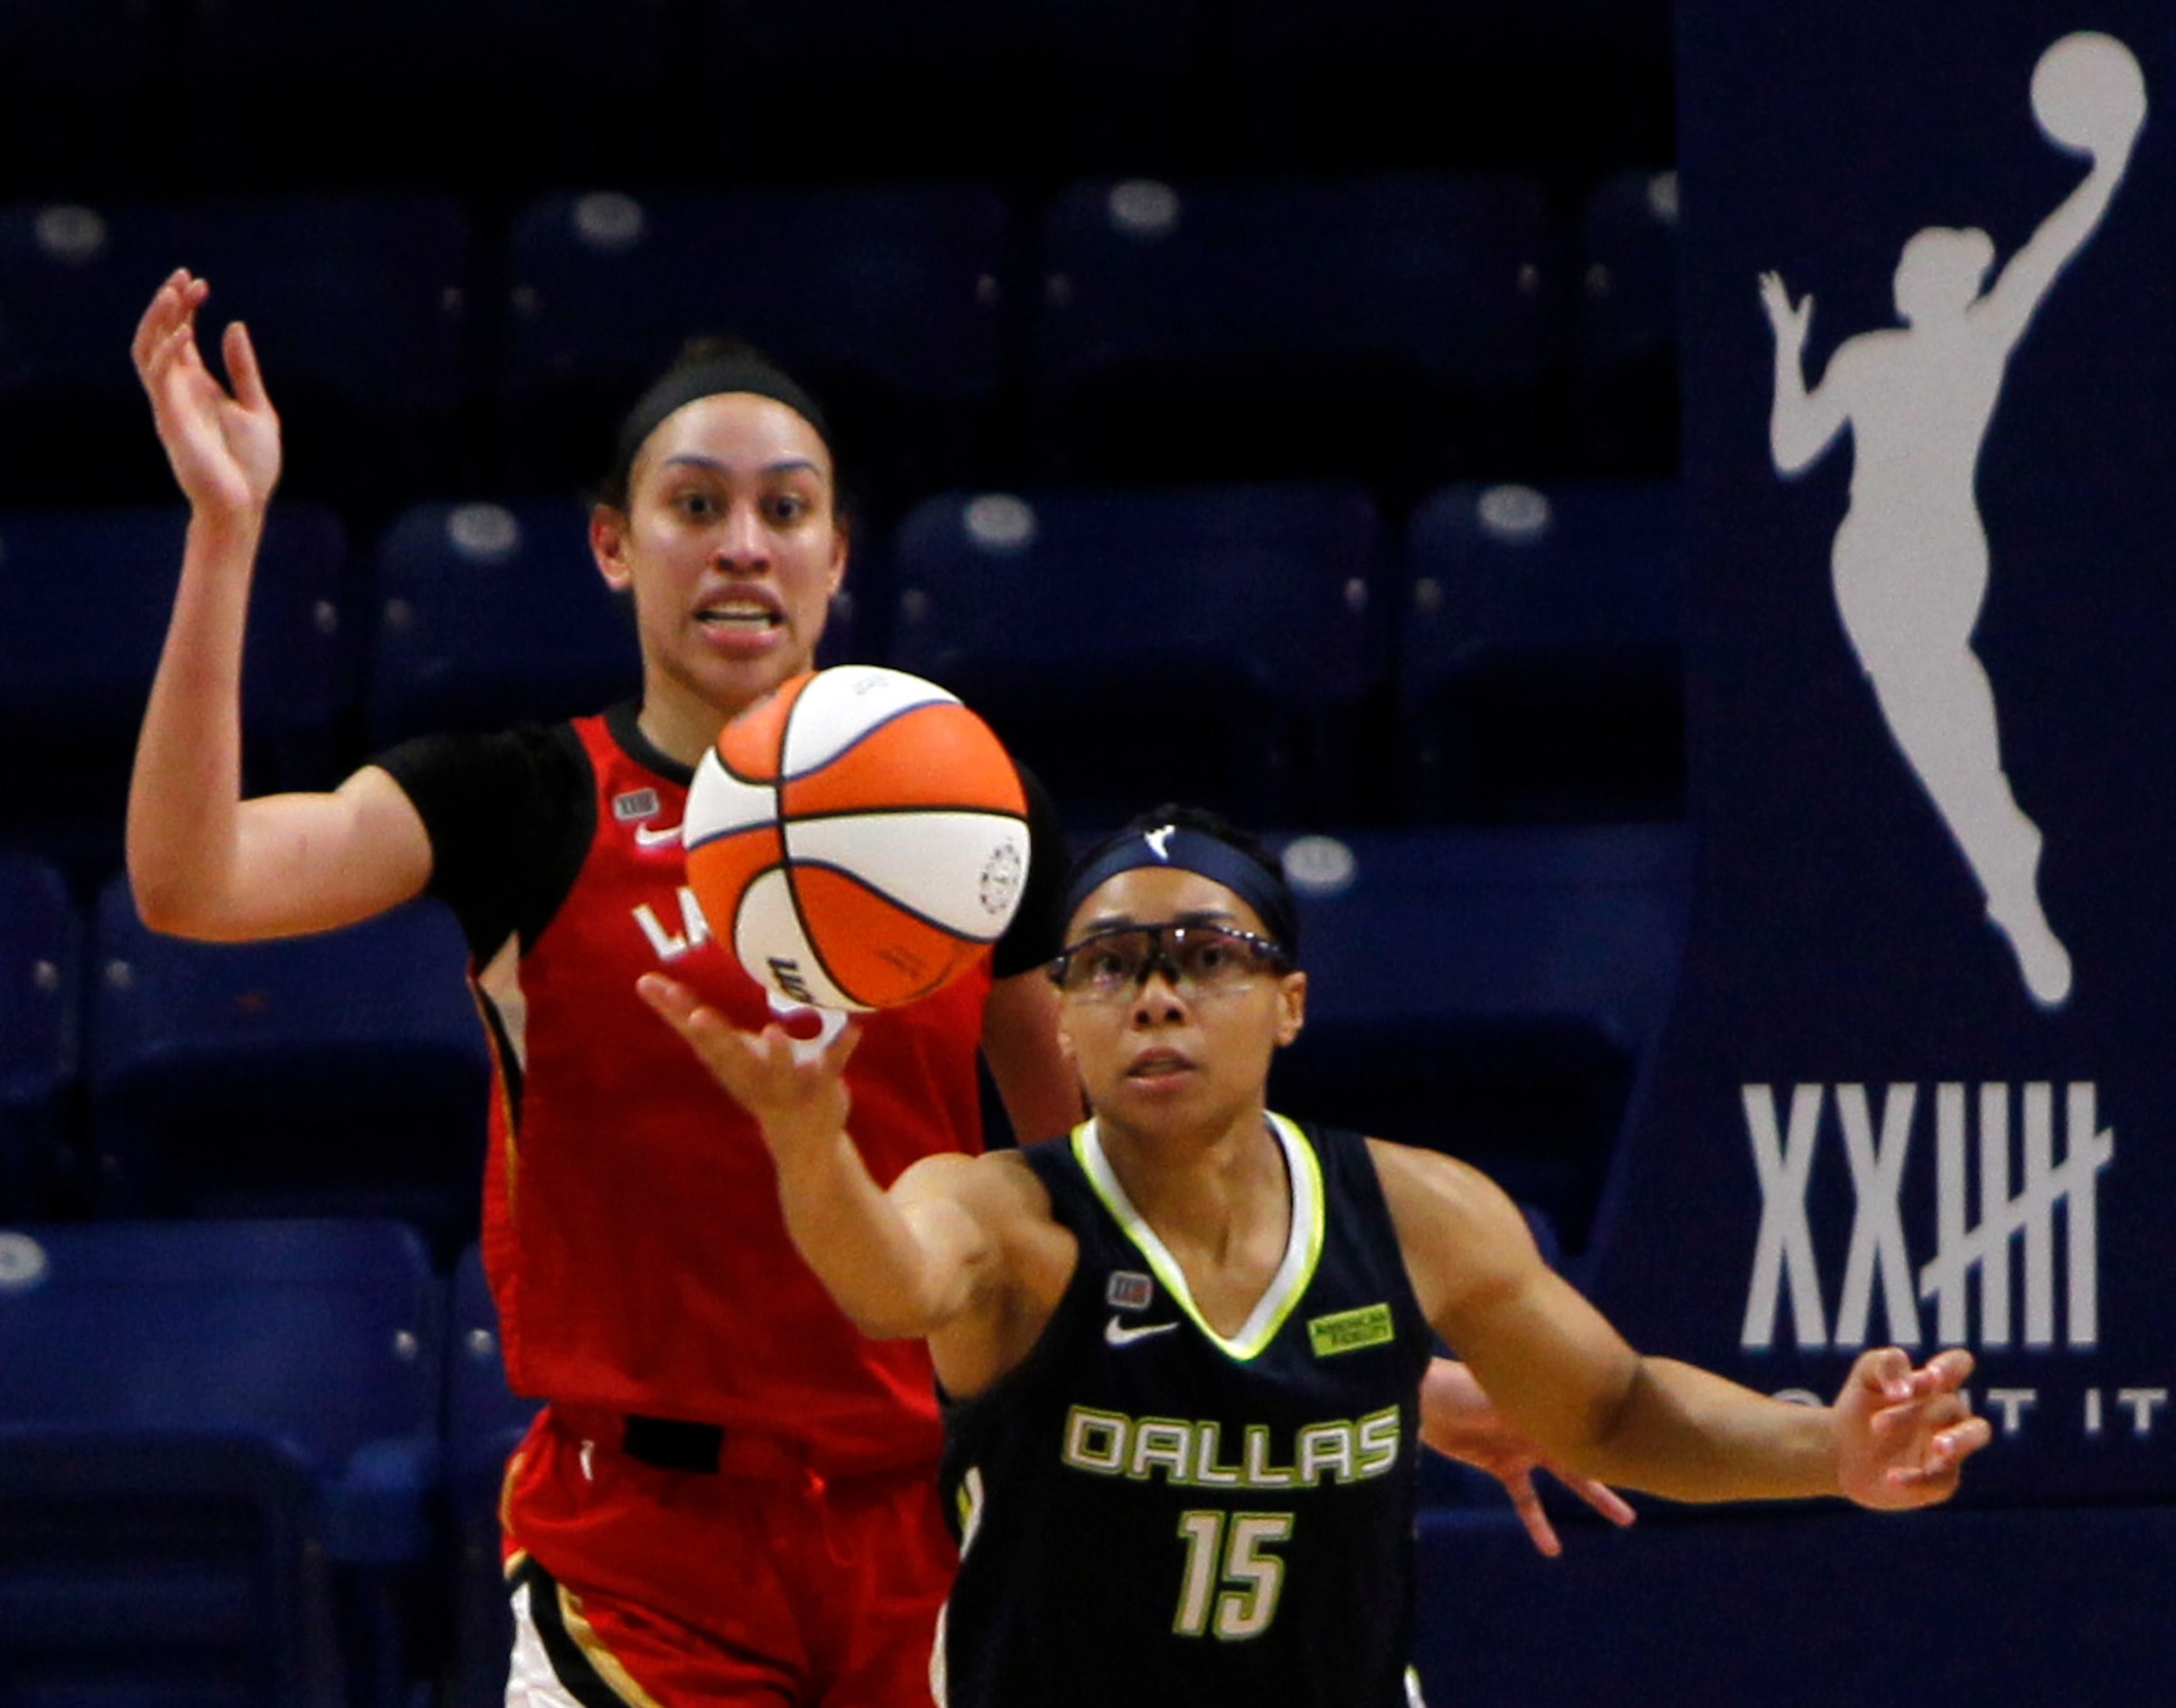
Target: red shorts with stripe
[760,1583]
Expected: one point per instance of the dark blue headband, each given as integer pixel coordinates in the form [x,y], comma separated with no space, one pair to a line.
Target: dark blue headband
[708,377]
[1192,851]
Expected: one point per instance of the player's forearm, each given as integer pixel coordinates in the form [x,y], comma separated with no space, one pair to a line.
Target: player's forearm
[860,1243]
[184,790]
[1687,1434]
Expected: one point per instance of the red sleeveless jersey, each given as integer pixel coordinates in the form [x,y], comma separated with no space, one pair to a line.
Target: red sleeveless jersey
[632,1232]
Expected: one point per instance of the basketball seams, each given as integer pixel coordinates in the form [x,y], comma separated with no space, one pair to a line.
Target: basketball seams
[739,776]
[792,692]
[958,810]
[720,835]
[839,755]
[802,863]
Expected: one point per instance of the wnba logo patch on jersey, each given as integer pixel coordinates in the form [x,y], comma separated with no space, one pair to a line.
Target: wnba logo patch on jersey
[1129,1290]
[1349,1331]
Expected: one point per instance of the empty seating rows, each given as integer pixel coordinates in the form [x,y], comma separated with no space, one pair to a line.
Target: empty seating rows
[1491,993]
[219,1447]
[274,1487]
[231,1453]
[1402,328]
[1285,651]
[343,1073]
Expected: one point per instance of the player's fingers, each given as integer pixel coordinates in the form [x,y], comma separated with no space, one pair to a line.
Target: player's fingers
[1967,1437]
[704,1028]
[248,379]
[1527,1503]
[1884,1373]
[159,336]
[1946,1451]
[841,1050]
[156,319]
[1949,1369]
[668,997]
[1922,1411]
[1604,1499]
[165,371]
[177,351]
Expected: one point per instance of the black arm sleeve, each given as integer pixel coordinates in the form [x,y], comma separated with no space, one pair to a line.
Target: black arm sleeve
[1038,929]
[511,816]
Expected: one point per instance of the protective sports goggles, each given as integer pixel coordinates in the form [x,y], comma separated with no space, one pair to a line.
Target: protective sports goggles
[1199,960]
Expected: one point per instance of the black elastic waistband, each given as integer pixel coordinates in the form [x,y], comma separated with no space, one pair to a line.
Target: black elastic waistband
[672,1444]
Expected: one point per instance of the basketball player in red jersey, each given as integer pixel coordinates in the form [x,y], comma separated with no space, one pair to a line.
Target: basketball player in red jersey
[729,1496]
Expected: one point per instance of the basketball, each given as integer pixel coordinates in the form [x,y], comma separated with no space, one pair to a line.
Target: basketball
[858,838]
[2088,93]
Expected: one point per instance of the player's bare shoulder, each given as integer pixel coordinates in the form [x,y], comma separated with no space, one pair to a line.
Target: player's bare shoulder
[1010,1199]
[1028,1264]
[1458,1230]
[1008,1204]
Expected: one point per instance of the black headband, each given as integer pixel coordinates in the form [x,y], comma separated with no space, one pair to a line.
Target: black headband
[1193,851]
[710,378]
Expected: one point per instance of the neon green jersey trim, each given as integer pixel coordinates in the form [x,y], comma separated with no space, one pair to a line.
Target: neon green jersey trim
[1302,1241]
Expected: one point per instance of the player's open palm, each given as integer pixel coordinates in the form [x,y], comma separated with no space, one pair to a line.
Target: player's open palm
[224,445]
[1902,1434]
[798,1095]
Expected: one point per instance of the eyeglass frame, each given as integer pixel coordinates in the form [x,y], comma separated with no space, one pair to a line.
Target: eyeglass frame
[1268,952]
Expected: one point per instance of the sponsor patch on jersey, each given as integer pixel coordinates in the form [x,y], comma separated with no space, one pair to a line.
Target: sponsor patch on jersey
[1129,1290]
[636,803]
[1349,1331]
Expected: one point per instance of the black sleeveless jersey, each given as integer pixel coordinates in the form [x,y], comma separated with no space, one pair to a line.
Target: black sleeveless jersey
[1151,1513]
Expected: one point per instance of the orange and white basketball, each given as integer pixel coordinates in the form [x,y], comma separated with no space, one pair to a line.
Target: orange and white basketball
[858,838]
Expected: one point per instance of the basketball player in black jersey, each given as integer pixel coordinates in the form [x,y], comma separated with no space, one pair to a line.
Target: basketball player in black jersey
[1182,1346]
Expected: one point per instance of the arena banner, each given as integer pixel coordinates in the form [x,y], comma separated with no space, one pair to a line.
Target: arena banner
[1918,1084]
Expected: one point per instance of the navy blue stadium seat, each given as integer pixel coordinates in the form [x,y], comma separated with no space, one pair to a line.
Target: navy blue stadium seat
[885,300]
[1803,1607]
[218,1449]
[487,614]
[1625,344]
[1207,644]
[41,955]
[485,1422]
[83,602]
[1540,652]
[1396,327]
[341,1073]
[357,305]
[1491,993]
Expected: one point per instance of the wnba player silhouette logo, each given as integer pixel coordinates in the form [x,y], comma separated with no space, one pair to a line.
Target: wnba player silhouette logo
[1909,561]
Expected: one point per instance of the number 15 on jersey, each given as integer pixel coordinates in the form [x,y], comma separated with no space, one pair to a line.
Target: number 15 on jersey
[1232,1584]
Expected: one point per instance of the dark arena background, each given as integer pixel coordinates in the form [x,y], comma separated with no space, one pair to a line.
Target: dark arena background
[1724,751]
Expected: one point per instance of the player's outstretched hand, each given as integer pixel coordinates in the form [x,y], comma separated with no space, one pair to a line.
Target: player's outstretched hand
[1459,1421]
[1901,1432]
[224,445]
[797,1097]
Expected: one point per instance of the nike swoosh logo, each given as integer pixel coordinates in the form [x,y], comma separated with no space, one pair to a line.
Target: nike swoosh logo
[1118,1334]
[647,837]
